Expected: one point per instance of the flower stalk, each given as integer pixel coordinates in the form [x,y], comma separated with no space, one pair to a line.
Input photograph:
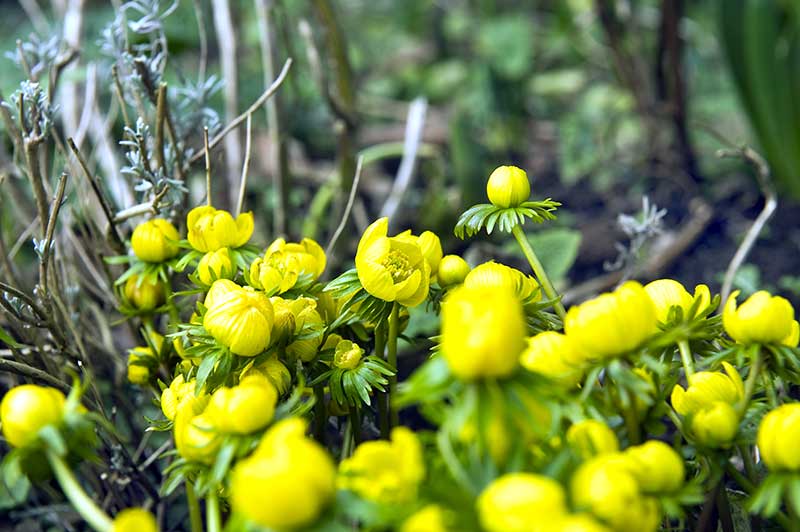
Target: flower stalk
[686,358]
[391,354]
[82,503]
[213,520]
[750,384]
[195,519]
[538,270]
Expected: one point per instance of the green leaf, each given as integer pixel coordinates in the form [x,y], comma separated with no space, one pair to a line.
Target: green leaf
[7,339]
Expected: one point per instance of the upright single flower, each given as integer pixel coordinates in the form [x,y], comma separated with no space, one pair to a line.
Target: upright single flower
[392,268]
[521,502]
[762,319]
[508,186]
[216,265]
[245,408]
[28,408]
[668,293]
[707,387]
[778,434]
[493,276]
[239,318]
[211,229]
[284,263]
[155,240]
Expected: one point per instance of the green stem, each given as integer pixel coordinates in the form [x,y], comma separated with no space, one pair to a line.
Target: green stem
[320,413]
[538,269]
[82,503]
[632,425]
[752,377]
[686,358]
[769,387]
[355,425]
[212,511]
[391,353]
[381,399]
[195,519]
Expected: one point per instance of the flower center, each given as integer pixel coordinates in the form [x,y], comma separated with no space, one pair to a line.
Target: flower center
[398,265]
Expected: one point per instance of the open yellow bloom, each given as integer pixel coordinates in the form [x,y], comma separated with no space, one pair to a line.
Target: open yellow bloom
[508,186]
[392,268]
[386,472]
[155,240]
[452,270]
[707,387]
[308,255]
[134,520]
[657,467]
[483,332]
[144,295]
[613,323]
[552,354]
[762,319]
[211,229]
[215,265]
[28,408]
[283,264]
[777,438]
[521,502]
[431,518]
[239,318]
[244,408]
[495,276]
[287,482]
[668,293]
[590,438]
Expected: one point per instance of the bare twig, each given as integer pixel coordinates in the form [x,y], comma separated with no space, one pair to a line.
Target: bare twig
[242,117]
[245,165]
[32,373]
[160,118]
[207,152]
[120,98]
[44,258]
[348,207]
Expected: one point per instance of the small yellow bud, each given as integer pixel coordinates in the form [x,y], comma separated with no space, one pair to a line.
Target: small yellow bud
[668,293]
[762,319]
[28,408]
[590,438]
[155,240]
[239,318]
[715,425]
[142,360]
[483,332]
[243,409]
[311,328]
[215,265]
[495,276]
[706,388]
[552,354]
[521,502]
[656,466]
[431,518]
[347,355]
[508,186]
[144,295]
[211,229]
[452,270]
[284,325]
[196,437]
[180,395]
[134,520]
[777,438]
[272,369]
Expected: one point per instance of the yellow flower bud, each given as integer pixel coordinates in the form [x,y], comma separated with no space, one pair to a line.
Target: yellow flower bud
[794,336]
[218,291]
[215,265]
[552,354]
[521,502]
[495,276]
[452,270]
[483,332]
[28,408]
[311,328]
[240,319]
[590,438]
[307,257]
[196,437]
[613,323]
[243,409]
[144,295]
[668,293]
[155,240]
[392,268]
[287,482]
[578,523]
[431,248]
[386,472]
[142,360]
[211,229]
[431,518]
[706,388]
[715,425]
[272,369]
[508,186]
[656,466]
[180,395]
[347,355]
[283,327]
[134,520]
[762,319]
[777,438]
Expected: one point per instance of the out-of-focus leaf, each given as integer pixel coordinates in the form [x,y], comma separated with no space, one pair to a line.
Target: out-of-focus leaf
[506,43]
[557,248]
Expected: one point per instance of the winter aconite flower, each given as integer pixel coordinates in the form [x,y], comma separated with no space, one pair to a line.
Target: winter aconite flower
[240,318]
[431,248]
[668,293]
[483,332]
[28,408]
[762,319]
[196,437]
[521,502]
[244,408]
[707,387]
[715,425]
[452,270]
[613,323]
[431,518]
[552,354]
[656,466]
[211,229]
[284,263]
[508,186]
[347,355]
[272,369]
[155,240]
[287,482]
[777,438]
[578,523]
[134,520]
[143,359]
[495,276]
[386,472]
[590,438]
[392,268]
[180,395]
[143,293]
[215,265]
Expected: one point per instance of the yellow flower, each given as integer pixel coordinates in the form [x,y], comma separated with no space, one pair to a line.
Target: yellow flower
[155,240]
[244,408]
[392,268]
[347,355]
[613,323]
[590,438]
[196,437]
[144,295]
[552,354]
[762,319]
[308,256]
[606,487]
[142,359]
[218,291]
[240,319]
[656,466]
[386,472]
[215,265]
[180,395]
[309,326]
[777,438]
[668,293]
[577,523]
[431,248]
[272,369]
[715,425]
[211,229]
[134,520]
[431,518]
[520,502]
[287,482]
[508,186]
[452,270]
[28,408]
[707,387]
[794,337]
[494,276]
[483,332]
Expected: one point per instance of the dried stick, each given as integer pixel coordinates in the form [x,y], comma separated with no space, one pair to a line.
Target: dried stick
[44,258]
[207,152]
[160,118]
[25,370]
[245,165]
[348,207]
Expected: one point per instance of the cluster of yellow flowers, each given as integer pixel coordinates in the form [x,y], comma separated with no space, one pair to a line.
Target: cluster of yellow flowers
[617,414]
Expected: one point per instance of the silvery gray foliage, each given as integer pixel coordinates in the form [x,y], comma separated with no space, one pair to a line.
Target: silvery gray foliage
[640,229]
[37,112]
[40,55]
